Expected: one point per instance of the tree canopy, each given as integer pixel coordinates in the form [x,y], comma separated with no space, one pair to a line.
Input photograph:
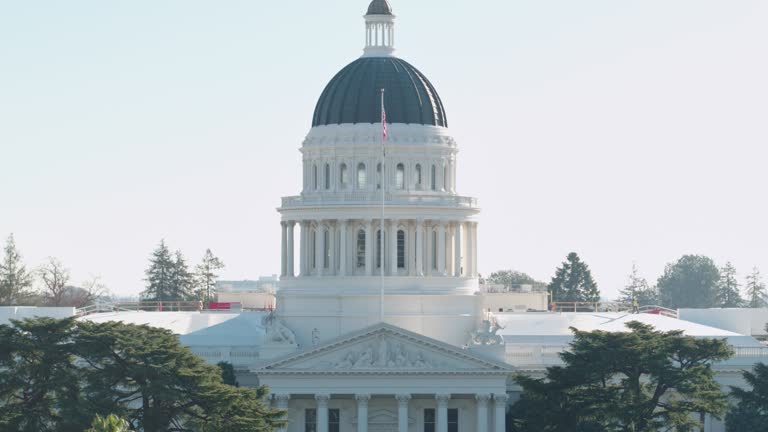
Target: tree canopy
[751,410]
[511,278]
[691,282]
[637,289]
[15,280]
[206,275]
[573,282]
[641,380]
[756,295]
[727,294]
[139,373]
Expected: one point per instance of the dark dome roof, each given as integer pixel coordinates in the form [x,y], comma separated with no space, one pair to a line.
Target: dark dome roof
[354,95]
[379,7]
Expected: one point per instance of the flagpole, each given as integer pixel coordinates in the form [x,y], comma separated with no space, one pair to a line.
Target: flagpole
[383,183]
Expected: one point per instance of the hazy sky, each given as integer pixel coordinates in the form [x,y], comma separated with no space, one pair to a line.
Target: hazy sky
[622,130]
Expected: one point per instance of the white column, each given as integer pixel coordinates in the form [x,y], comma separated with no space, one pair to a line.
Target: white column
[474,249]
[441,248]
[500,412]
[419,247]
[369,245]
[283,249]
[402,412]
[457,249]
[322,412]
[332,249]
[362,412]
[320,248]
[303,248]
[291,267]
[343,248]
[281,402]
[393,247]
[410,255]
[468,257]
[442,412]
[482,411]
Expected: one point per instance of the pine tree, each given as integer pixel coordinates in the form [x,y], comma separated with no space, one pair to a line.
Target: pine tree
[573,282]
[637,289]
[756,290]
[160,276]
[182,280]
[206,276]
[691,282]
[15,280]
[727,294]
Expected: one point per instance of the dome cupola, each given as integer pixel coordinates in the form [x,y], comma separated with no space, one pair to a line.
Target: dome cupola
[379,7]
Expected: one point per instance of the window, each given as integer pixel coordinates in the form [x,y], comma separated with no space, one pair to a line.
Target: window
[418,176]
[433,179]
[334,420]
[453,420]
[361,180]
[378,176]
[401,249]
[429,420]
[327,248]
[400,176]
[343,175]
[314,177]
[434,250]
[310,420]
[360,249]
[327,176]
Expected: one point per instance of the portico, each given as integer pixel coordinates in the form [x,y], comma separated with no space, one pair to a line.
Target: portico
[388,379]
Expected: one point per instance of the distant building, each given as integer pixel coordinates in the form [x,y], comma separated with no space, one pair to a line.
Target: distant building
[263,284]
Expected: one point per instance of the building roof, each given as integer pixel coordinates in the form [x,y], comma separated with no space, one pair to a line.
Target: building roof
[554,328]
[379,7]
[354,95]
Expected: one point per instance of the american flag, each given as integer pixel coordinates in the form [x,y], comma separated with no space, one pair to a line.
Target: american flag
[383,117]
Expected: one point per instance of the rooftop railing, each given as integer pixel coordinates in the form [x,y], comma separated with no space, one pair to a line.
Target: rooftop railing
[372,197]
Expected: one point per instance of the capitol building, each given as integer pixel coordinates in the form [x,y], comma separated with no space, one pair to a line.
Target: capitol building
[380,322]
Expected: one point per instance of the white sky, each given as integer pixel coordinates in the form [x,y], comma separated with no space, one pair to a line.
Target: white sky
[624,131]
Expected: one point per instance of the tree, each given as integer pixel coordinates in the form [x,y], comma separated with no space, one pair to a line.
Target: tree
[756,294]
[573,282]
[110,423]
[511,278]
[55,375]
[55,278]
[160,276]
[751,410]
[182,280]
[727,295]
[637,289]
[38,380]
[690,282]
[227,373]
[206,276]
[15,280]
[642,380]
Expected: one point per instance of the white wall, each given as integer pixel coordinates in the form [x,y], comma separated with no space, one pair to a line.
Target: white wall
[512,301]
[746,321]
[8,313]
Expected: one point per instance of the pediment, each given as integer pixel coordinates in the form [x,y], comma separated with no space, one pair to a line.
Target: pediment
[384,348]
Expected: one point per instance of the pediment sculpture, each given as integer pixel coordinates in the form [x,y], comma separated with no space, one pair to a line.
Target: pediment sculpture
[486,335]
[278,332]
[384,354]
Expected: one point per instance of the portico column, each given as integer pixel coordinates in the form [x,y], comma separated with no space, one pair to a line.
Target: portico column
[303,248]
[419,247]
[322,412]
[457,249]
[362,412]
[402,412]
[500,412]
[482,411]
[410,255]
[319,248]
[291,267]
[283,249]
[474,248]
[393,247]
[332,250]
[442,412]
[369,248]
[342,248]
[441,248]
[281,402]
[469,248]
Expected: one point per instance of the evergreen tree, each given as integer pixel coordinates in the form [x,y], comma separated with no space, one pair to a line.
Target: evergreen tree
[573,282]
[690,282]
[756,289]
[15,280]
[637,289]
[160,282]
[751,411]
[182,280]
[110,423]
[643,380]
[206,275]
[727,295]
